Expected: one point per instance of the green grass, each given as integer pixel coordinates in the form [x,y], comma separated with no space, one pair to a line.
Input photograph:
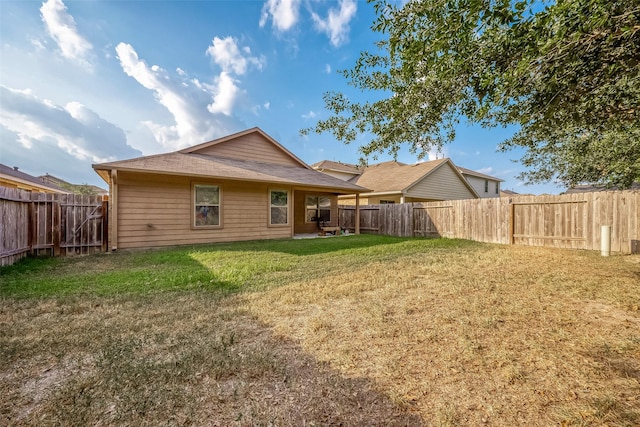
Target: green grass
[222,267]
[360,330]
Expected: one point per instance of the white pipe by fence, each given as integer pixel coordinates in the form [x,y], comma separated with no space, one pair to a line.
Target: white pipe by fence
[605,240]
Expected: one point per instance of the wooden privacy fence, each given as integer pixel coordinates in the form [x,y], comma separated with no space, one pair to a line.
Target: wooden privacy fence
[566,221]
[50,224]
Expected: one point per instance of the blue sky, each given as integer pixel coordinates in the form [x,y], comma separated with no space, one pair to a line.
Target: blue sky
[85,82]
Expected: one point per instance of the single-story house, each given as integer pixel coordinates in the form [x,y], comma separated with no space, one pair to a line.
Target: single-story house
[244,186]
[395,182]
[13,178]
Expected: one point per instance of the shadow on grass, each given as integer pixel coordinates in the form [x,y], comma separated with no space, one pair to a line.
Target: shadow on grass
[110,274]
[198,364]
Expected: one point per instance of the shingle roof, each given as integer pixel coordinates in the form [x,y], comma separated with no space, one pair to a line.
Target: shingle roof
[15,173]
[395,176]
[466,171]
[180,163]
[337,166]
[588,188]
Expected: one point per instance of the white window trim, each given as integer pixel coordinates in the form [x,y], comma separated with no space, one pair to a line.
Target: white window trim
[288,223]
[193,206]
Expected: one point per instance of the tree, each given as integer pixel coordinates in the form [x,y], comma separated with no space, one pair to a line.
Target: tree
[565,73]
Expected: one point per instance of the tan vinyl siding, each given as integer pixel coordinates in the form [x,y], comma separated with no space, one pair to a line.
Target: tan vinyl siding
[254,147]
[156,210]
[441,184]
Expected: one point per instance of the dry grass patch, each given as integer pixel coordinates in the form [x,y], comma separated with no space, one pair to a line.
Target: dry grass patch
[168,359]
[478,335]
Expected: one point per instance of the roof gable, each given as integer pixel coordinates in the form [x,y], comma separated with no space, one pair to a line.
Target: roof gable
[394,176]
[252,144]
[442,182]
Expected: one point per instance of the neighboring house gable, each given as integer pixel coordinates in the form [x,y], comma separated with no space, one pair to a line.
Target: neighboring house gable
[441,183]
[343,171]
[484,185]
[14,178]
[395,182]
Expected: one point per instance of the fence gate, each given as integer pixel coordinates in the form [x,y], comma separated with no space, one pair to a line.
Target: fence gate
[51,224]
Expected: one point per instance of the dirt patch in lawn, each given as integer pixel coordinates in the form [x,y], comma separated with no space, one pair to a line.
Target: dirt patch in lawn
[504,336]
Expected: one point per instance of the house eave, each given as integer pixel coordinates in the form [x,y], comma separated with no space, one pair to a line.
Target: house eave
[105,171]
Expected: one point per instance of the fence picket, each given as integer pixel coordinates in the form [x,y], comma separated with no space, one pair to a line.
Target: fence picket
[565,221]
[50,224]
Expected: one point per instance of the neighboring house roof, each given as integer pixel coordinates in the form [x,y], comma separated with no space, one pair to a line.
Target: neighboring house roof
[587,188]
[337,167]
[506,193]
[15,178]
[50,179]
[392,176]
[466,171]
[187,162]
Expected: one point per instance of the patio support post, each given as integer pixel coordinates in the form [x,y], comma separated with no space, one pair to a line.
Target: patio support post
[114,209]
[357,214]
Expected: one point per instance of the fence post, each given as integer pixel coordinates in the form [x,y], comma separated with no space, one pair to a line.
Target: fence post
[32,234]
[105,224]
[512,212]
[55,227]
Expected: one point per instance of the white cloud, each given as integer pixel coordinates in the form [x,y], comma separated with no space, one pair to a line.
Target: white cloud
[327,69]
[73,128]
[284,13]
[226,96]
[266,105]
[309,115]
[201,111]
[487,171]
[230,58]
[436,153]
[62,28]
[336,26]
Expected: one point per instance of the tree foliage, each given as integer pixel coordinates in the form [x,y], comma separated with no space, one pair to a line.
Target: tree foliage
[565,73]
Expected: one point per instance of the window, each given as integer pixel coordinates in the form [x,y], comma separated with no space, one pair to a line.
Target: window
[497,188]
[278,207]
[206,205]
[486,185]
[318,209]
[387,202]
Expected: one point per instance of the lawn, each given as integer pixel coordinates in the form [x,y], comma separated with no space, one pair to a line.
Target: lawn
[357,330]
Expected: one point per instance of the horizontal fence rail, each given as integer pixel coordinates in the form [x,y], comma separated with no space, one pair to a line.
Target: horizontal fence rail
[565,221]
[51,224]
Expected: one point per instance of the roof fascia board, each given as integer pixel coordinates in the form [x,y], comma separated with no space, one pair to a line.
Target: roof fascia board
[192,175]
